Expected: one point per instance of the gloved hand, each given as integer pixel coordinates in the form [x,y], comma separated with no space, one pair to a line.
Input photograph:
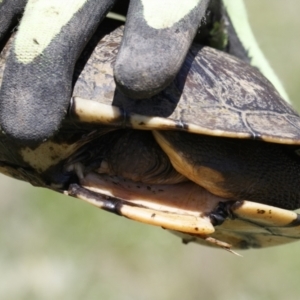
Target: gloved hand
[37,80]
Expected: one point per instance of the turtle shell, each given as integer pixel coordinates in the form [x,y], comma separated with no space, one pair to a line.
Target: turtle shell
[214,94]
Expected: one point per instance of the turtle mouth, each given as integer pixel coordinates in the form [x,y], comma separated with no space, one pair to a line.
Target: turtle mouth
[176,198]
[188,210]
[183,207]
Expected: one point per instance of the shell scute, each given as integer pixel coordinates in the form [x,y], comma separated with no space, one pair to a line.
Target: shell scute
[214,93]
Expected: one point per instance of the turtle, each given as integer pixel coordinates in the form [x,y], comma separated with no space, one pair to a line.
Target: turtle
[213,158]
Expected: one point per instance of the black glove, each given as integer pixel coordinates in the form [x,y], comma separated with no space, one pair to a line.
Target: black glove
[37,80]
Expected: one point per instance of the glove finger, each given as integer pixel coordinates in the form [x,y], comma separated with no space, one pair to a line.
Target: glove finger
[37,80]
[9,10]
[157,37]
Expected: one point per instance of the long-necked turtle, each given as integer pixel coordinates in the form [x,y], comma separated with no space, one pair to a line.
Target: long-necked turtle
[214,157]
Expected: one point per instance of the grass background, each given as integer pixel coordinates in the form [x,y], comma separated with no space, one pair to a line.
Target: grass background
[55,247]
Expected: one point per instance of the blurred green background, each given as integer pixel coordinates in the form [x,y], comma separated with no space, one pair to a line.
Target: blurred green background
[55,247]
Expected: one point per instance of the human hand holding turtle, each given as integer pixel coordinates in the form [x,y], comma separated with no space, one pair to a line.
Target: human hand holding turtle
[75,154]
[126,156]
[37,82]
